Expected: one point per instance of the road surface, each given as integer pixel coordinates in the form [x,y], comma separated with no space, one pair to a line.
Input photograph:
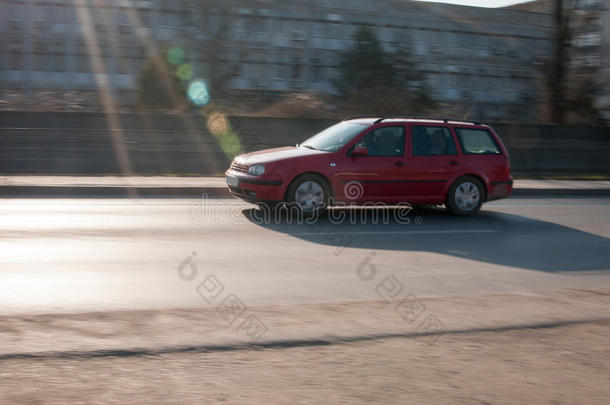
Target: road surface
[150,301]
[77,255]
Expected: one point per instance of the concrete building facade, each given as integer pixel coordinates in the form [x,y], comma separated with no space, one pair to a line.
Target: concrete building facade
[487,62]
[589,46]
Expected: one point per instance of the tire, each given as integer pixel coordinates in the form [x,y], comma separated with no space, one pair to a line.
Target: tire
[308,194]
[465,196]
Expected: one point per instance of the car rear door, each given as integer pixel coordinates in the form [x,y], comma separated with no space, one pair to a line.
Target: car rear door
[432,161]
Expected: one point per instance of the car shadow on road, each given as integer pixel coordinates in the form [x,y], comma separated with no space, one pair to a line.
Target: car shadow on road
[493,237]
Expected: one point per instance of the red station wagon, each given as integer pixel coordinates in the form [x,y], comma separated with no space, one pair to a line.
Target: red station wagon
[380,160]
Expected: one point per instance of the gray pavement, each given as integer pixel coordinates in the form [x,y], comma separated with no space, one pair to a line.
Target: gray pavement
[168,186]
[175,300]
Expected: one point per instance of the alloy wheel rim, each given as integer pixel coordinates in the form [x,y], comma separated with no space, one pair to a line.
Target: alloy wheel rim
[467,196]
[309,195]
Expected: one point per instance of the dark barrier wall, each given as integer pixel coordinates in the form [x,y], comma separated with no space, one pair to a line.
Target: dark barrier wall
[82,143]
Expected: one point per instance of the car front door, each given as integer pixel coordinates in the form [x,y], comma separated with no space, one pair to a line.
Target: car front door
[379,175]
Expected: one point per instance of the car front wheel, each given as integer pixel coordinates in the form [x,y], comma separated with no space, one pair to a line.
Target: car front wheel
[309,194]
[465,196]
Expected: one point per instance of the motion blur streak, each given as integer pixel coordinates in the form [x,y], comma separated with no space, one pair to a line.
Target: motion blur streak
[143,36]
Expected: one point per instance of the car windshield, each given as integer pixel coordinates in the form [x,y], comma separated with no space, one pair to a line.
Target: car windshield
[334,138]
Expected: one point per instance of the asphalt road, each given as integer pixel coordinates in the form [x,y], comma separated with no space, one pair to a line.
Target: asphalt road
[104,254]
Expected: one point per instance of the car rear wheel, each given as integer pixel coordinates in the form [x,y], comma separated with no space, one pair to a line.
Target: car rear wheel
[309,194]
[465,196]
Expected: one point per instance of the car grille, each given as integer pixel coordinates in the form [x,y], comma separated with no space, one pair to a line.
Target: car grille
[239,168]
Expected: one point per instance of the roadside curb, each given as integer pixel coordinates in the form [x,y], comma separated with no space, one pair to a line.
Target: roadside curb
[111,192]
[566,192]
[221,192]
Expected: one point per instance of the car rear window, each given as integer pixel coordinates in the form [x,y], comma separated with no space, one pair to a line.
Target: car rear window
[477,142]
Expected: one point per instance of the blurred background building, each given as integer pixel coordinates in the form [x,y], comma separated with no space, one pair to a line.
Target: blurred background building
[488,63]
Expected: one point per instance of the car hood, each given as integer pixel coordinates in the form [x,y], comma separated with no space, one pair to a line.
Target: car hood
[275,154]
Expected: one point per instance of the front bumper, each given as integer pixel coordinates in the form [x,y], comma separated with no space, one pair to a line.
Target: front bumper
[254,188]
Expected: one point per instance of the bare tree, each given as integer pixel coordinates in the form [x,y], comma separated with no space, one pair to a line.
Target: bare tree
[376,81]
[207,50]
[220,52]
[559,62]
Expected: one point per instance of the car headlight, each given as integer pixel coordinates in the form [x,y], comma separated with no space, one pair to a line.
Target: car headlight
[256,170]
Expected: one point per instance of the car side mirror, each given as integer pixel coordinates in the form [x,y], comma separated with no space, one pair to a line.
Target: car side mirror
[360,151]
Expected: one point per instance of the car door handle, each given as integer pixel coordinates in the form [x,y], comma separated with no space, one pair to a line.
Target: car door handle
[454,163]
[399,164]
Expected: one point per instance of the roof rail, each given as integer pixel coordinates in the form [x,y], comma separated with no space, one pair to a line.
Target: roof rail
[445,120]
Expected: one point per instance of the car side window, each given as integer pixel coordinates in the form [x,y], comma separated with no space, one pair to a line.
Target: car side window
[477,142]
[386,141]
[432,141]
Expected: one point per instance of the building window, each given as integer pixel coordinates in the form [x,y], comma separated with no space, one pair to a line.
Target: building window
[83,64]
[17,11]
[315,70]
[587,40]
[56,62]
[296,69]
[281,71]
[588,3]
[145,18]
[135,65]
[16,61]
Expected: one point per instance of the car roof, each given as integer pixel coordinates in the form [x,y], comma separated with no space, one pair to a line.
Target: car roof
[377,120]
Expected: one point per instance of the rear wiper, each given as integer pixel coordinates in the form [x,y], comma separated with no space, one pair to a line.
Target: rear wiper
[308,146]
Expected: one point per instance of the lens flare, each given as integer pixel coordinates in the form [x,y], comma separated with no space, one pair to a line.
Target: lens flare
[220,127]
[175,55]
[185,71]
[198,93]
[217,123]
